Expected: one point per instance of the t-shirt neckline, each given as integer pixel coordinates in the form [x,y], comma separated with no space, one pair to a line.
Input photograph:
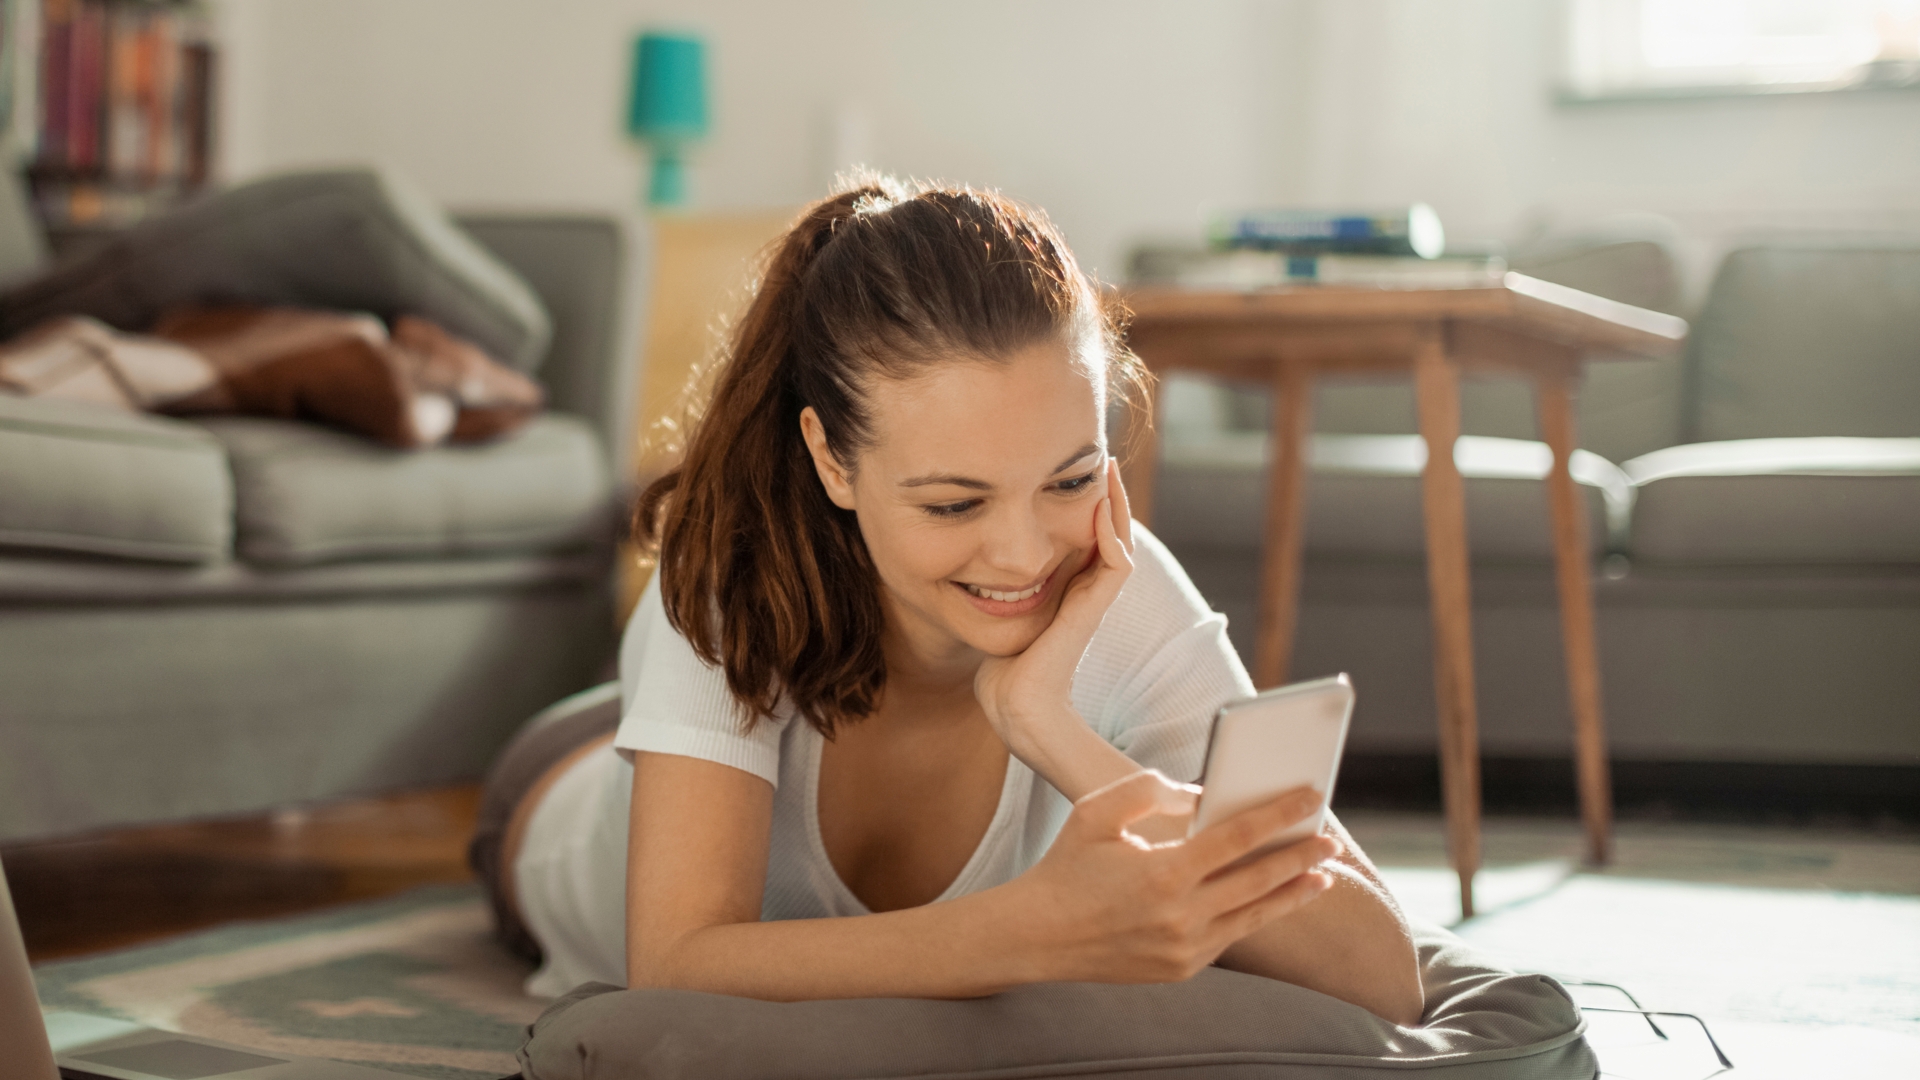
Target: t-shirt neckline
[1017,775]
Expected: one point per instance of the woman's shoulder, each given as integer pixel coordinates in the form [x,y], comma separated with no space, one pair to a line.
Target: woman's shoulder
[1159,592]
[1161,657]
[1158,609]
[674,702]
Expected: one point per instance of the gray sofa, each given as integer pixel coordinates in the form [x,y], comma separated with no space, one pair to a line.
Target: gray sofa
[1757,525]
[217,617]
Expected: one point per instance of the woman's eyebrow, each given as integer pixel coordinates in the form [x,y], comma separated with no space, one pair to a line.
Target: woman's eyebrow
[981,485]
[1075,456]
[947,478]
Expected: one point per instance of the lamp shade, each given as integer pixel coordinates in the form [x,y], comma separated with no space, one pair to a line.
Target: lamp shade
[669,102]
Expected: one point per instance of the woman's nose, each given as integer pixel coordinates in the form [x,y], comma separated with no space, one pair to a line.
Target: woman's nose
[1018,544]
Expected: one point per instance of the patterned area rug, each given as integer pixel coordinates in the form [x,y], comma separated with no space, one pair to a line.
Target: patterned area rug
[1800,949]
[414,984]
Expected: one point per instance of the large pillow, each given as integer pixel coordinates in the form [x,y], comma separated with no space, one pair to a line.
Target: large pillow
[351,240]
[1483,1021]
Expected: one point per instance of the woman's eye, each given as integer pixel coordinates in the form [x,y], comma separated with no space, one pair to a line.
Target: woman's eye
[952,510]
[1078,483]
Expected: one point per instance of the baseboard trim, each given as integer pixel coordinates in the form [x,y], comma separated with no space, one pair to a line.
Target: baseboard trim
[1873,795]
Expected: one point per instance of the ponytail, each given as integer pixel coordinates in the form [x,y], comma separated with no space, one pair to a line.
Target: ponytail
[758,569]
[763,575]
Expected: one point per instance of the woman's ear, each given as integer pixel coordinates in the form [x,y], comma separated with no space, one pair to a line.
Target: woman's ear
[835,479]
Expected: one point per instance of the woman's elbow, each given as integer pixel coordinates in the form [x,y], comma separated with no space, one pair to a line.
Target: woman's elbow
[1405,1005]
[658,964]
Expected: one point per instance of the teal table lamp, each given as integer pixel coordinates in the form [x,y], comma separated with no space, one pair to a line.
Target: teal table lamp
[668,109]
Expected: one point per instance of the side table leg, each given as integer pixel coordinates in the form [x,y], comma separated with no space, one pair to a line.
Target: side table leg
[1138,448]
[1555,405]
[1437,381]
[1286,520]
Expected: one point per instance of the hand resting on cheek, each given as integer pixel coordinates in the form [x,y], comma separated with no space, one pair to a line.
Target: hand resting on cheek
[1024,693]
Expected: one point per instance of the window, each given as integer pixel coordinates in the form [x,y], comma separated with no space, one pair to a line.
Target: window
[1631,48]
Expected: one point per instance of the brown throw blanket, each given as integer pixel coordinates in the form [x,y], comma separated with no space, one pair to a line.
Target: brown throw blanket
[414,386]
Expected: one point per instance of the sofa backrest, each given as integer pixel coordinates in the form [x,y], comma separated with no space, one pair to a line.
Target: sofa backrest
[589,272]
[1808,338]
[1627,406]
[1640,272]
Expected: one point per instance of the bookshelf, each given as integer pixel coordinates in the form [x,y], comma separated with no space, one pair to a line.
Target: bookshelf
[116,108]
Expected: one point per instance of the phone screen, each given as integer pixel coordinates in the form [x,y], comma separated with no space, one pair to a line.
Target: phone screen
[1274,742]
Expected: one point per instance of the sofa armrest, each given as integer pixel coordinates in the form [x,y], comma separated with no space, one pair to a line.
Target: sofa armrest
[1825,456]
[590,270]
[1476,456]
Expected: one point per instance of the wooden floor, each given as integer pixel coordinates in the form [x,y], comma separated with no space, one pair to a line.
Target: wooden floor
[122,888]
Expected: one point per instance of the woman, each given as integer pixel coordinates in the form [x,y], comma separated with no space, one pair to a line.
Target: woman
[902,701]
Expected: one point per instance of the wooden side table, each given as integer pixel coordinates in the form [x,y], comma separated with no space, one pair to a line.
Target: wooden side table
[1524,327]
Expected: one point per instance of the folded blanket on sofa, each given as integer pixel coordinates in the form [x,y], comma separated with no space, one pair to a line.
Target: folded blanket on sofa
[416,385]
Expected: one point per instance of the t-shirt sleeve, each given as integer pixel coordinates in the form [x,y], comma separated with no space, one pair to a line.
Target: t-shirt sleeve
[675,703]
[1159,666]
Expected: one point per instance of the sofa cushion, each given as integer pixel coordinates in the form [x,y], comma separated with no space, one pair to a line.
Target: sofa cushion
[1810,340]
[1482,1021]
[1827,500]
[350,240]
[310,494]
[1364,496]
[76,477]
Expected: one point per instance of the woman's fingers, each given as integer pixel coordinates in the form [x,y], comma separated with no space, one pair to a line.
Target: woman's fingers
[1122,512]
[1105,812]
[1092,590]
[1107,538]
[1222,843]
[1285,900]
[1247,883]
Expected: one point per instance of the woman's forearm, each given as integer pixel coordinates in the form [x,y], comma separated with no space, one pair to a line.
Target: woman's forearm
[1352,943]
[967,947]
[1068,753]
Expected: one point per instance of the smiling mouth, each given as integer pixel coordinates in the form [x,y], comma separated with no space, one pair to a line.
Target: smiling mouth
[1003,596]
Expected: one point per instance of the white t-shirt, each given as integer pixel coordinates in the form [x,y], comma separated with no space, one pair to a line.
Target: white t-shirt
[1149,683]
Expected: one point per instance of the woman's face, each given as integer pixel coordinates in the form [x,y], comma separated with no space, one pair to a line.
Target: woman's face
[977,495]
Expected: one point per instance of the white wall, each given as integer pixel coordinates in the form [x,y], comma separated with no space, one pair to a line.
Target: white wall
[1119,116]
[1453,102]
[1122,117]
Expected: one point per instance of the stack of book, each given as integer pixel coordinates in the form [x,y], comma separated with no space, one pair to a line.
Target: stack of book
[1266,249]
[126,109]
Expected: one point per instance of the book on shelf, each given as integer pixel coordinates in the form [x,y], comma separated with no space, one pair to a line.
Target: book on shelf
[1247,270]
[125,109]
[1414,231]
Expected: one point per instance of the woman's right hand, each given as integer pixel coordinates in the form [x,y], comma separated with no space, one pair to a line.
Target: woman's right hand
[1109,907]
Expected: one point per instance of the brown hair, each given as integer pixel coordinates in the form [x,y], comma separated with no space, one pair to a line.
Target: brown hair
[759,570]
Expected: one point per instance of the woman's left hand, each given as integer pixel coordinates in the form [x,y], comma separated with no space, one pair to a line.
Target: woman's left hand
[1031,689]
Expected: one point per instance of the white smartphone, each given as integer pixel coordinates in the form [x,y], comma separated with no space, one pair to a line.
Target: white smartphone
[1282,739]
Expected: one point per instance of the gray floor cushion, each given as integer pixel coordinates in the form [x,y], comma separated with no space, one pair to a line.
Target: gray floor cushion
[311,494]
[1483,1022]
[349,240]
[82,478]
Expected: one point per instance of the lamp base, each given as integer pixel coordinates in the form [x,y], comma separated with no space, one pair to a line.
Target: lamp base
[667,186]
